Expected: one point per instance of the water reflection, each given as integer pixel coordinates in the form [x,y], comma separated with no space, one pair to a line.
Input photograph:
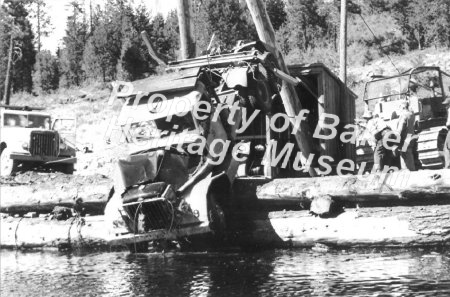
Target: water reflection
[266,273]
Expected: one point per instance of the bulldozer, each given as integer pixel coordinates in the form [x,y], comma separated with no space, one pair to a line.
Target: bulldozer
[424,88]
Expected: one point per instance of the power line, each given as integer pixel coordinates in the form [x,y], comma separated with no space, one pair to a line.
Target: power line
[379,45]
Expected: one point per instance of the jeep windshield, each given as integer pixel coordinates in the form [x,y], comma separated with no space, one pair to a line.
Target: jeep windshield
[23,120]
[422,82]
[388,89]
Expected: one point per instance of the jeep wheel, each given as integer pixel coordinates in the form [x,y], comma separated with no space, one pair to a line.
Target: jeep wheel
[7,165]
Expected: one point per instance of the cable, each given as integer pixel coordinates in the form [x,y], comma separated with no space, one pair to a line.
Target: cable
[173,215]
[381,49]
[15,232]
[135,225]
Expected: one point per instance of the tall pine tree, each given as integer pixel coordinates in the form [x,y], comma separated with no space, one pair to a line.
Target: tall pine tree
[74,42]
[15,22]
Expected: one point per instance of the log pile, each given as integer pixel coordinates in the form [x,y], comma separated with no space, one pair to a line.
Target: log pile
[419,222]
[364,227]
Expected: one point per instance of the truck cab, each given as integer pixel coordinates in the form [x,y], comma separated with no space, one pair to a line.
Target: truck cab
[31,137]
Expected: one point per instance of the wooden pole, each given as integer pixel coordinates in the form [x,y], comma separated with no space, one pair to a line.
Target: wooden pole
[184,21]
[343,43]
[151,51]
[7,92]
[288,94]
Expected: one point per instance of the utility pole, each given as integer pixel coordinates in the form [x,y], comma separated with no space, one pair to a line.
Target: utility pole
[186,30]
[343,43]
[288,93]
[7,92]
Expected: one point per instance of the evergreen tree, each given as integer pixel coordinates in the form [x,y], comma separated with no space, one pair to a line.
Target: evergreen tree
[46,72]
[304,23]
[423,22]
[74,42]
[277,13]
[104,46]
[131,64]
[172,33]
[226,18]
[41,21]
[15,22]
[160,41]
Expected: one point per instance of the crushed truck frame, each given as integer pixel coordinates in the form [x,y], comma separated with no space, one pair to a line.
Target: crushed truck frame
[164,186]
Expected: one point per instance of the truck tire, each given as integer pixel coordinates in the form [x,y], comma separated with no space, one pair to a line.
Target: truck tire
[68,168]
[2,147]
[8,166]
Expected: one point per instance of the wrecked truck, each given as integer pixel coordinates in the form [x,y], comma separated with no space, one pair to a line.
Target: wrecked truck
[200,140]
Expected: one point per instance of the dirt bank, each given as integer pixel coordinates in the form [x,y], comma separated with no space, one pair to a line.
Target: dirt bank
[41,192]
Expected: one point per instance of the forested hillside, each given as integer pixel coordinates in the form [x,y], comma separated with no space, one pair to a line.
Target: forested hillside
[103,44]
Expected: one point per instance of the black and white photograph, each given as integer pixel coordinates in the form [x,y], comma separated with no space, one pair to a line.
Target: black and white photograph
[225,148]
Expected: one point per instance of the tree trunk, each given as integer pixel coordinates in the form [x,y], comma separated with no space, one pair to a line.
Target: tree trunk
[7,93]
[398,188]
[364,227]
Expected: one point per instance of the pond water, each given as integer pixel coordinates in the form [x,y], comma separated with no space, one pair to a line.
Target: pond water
[261,273]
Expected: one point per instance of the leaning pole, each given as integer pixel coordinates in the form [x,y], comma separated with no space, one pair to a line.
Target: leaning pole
[288,94]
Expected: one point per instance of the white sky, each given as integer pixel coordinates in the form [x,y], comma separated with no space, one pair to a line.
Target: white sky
[59,13]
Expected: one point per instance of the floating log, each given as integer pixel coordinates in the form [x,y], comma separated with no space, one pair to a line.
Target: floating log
[397,188]
[80,233]
[375,227]
[42,192]
[363,227]
[89,232]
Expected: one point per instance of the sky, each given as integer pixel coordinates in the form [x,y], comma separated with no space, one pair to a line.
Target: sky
[59,13]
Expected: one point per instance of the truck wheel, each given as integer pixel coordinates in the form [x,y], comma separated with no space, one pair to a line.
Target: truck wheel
[69,169]
[2,147]
[7,165]
[216,217]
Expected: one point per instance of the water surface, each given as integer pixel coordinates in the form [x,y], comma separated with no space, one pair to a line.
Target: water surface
[263,273]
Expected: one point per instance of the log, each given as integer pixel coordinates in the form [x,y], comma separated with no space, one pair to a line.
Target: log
[397,188]
[86,233]
[288,93]
[365,227]
[89,232]
[42,192]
